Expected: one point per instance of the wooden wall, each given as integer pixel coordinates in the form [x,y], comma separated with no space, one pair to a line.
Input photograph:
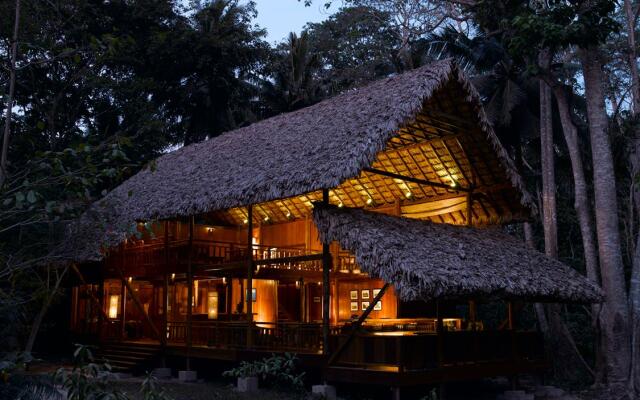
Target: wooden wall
[389,300]
[265,308]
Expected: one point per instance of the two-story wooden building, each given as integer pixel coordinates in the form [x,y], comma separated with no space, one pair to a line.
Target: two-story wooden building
[361,233]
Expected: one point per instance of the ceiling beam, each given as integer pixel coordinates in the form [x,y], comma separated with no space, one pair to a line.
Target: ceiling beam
[416,180]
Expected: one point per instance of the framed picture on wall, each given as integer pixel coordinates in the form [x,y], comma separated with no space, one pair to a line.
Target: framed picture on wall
[378,306]
[365,304]
[365,293]
[354,306]
[353,295]
[375,292]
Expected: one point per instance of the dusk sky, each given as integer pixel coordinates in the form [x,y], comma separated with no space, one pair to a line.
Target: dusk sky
[280,17]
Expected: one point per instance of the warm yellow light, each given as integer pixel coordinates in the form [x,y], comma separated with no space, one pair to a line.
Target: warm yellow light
[224,281]
[114,302]
[408,195]
[340,205]
[210,230]
[369,201]
[319,283]
[453,183]
[289,214]
[297,284]
[266,219]
[212,305]
[173,276]
[245,221]
[130,279]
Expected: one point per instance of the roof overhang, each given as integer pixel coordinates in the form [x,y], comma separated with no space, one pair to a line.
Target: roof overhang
[426,261]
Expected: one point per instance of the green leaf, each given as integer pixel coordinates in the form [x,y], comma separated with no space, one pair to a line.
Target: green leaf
[31,197]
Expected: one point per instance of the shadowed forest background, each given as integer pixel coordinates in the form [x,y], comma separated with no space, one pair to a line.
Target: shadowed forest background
[93,91]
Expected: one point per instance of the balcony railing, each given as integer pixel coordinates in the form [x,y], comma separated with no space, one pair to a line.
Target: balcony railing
[142,257]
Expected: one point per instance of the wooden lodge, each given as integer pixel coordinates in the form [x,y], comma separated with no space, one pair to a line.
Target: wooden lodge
[362,233]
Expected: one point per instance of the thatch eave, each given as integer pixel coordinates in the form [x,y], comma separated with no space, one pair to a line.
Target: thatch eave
[427,261]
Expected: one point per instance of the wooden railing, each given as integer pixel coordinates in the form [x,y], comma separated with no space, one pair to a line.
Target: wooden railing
[295,337]
[140,258]
[417,352]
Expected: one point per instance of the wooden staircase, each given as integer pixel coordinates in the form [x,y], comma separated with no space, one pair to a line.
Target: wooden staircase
[128,357]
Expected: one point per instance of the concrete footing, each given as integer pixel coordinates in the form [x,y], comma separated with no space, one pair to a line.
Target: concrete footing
[187,376]
[161,373]
[248,385]
[326,392]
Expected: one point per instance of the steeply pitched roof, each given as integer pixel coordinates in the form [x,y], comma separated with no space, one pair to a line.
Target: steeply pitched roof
[322,146]
[425,260]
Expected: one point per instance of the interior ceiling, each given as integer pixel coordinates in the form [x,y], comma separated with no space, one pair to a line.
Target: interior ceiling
[443,144]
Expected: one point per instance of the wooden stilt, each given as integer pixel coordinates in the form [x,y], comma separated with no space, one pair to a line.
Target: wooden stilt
[439,335]
[249,290]
[190,293]
[326,267]
[165,294]
[123,308]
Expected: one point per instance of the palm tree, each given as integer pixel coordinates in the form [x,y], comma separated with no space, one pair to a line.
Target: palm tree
[293,83]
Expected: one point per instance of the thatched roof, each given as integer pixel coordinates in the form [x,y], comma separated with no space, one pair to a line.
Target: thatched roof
[427,123]
[425,260]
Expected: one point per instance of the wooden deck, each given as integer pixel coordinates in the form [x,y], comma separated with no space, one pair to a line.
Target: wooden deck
[397,361]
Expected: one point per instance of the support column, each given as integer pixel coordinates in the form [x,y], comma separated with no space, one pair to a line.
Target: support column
[249,290]
[123,303]
[470,208]
[326,290]
[189,293]
[439,335]
[165,294]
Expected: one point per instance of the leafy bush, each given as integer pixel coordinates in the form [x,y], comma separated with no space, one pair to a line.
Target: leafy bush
[151,389]
[88,380]
[18,385]
[275,370]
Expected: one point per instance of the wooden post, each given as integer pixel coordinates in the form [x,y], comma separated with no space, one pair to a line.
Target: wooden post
[302,300]
[439,335]
[189,292]
[165,294]
[470,208]
[249,290]
[326,290]
[510,315]
[123,302]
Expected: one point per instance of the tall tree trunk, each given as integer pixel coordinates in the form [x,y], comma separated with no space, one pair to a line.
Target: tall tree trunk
[46,303]
[538,307]
[634,155]
[583,210]
[632,55]
[549,203]
[614,318]
[9,106]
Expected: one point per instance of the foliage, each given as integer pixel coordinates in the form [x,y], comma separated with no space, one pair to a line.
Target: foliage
[88,379]
[354,47]
[277,370]
[16,383]
[151,389]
